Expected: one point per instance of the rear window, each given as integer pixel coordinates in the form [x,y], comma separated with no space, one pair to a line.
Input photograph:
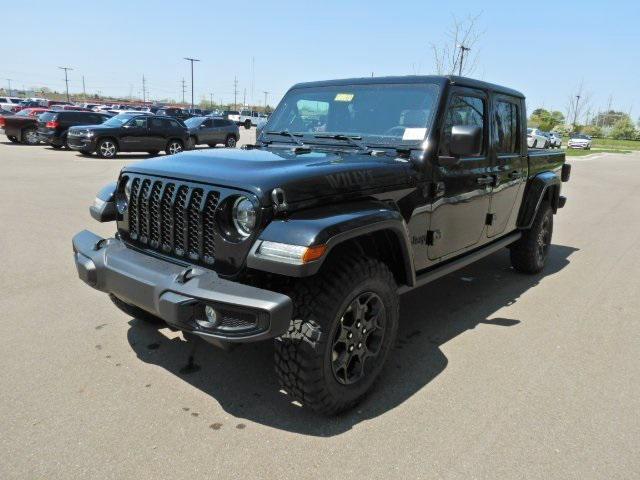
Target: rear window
[48,117]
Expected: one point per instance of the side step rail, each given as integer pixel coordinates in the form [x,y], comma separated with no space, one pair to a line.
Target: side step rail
[461,262]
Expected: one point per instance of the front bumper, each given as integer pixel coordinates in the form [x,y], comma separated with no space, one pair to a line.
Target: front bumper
[81,143]
[178,294]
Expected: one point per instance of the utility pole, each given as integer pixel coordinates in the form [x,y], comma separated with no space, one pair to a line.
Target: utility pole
[253,79]
[462,50]
[9,81]
[66,79]
[84,90]
[265,101]
[211,101]
[244,98]
[144,89]
[184,87]
[191,60]
[575,111]
[235,92]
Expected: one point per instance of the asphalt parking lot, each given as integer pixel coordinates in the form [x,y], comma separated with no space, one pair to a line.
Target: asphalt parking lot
[495,374]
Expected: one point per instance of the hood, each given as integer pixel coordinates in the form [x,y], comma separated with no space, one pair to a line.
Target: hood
[303,177]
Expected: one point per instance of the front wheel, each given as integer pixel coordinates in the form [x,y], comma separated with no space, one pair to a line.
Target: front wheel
[173,147]
[106,148]
[529,254]
[344,325]
[230,142]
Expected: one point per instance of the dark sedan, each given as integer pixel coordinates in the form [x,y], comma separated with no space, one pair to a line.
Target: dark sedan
[212,131]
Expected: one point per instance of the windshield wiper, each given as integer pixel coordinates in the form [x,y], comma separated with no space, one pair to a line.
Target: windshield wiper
[353,140]
[287,133]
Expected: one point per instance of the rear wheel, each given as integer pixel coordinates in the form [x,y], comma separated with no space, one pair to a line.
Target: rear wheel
[13,139]
[135,312]
[230,142]
[529,254]
[344,324]
[107,148]
[30,136]
[173,147]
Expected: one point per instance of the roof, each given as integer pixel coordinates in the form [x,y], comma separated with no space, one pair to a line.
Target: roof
[438,79]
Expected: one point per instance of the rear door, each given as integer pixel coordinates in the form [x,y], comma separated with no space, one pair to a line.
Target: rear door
[460,208]
[509,162]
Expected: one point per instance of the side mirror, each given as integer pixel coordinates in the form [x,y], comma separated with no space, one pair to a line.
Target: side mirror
[466,140]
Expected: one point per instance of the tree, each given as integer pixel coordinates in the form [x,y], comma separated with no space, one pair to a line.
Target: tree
[545,120]
[593,130]
[449,57]
[608,118]
[623,129]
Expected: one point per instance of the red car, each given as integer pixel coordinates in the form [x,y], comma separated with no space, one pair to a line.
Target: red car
[22,126]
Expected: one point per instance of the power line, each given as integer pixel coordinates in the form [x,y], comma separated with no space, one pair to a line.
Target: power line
[66,79]
[191,60]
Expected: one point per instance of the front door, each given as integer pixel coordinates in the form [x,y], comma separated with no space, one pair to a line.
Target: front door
[134,135]
[509,165]
[463,185]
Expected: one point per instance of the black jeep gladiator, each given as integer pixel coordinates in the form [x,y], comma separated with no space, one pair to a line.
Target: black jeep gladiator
[355,192]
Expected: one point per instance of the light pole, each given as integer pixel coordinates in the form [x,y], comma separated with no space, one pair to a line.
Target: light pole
[66,79]
[191,60]
[265,101]
[9,81]
[575,112]
[462,50]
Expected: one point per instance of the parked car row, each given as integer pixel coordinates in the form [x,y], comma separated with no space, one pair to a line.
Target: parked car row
[537,138]
[104,134]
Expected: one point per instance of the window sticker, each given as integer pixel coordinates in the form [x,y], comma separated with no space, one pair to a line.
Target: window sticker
[414,133]
[344,97]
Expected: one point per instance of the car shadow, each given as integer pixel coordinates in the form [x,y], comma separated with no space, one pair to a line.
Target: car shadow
[243,381]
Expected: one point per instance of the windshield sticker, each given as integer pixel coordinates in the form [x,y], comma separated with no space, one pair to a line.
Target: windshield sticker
[414,133]
[344,97]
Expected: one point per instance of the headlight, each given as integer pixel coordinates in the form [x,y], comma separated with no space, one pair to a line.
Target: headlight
[244,216]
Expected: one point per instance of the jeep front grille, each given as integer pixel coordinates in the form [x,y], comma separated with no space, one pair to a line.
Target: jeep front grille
[174,218]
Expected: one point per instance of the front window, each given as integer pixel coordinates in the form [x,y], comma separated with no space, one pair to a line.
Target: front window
[24,113]
[118,120]
[193,122]
[380,114]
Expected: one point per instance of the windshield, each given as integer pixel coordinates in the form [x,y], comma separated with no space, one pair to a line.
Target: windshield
[385,114]
[193,121]
[580,136]
[118,120]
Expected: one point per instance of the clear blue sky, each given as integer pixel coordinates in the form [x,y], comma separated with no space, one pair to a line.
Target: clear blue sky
[545,49]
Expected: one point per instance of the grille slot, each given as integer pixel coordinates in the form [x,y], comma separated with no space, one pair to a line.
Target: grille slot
[173,218]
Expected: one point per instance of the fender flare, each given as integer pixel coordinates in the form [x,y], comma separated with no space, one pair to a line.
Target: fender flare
[543,184]
[332,226]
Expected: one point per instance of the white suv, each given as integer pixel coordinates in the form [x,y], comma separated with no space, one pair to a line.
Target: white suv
[249,118]
[10,103]
[579,140]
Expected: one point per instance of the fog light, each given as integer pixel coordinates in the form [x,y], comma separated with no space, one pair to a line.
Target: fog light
[211,318]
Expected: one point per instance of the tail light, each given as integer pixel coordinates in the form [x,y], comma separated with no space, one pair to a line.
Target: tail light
[53,124]
[2,121]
